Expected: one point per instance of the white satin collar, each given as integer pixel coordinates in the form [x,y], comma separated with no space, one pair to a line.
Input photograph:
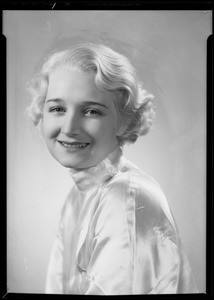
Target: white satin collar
[94,176]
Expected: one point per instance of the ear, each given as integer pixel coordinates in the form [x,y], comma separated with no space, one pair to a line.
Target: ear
[122,126]
[121,121]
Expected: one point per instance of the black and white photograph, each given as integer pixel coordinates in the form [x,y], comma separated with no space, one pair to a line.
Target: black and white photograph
[106,151]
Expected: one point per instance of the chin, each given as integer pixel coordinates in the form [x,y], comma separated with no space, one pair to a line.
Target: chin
[68,163]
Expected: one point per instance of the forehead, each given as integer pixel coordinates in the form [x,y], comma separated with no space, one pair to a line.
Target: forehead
[71,84]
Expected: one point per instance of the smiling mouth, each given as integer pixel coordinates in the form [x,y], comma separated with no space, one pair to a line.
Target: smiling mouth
[75,145]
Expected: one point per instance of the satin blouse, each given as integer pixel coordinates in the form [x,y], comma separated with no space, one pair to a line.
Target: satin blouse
[117,236]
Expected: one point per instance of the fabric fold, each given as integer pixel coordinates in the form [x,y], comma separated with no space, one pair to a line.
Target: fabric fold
[118,236]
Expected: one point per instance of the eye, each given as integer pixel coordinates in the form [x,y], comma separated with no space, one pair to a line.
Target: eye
[57,109]
[92,113]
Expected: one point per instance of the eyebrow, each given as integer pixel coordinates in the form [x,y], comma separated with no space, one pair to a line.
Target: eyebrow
[84,103]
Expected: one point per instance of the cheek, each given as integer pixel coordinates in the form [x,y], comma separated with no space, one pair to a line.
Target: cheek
[102,129]
[49,128]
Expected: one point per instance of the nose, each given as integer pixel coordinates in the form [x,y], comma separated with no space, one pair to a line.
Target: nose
[71,124]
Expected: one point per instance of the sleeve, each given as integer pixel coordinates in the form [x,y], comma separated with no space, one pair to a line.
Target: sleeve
[161,266]
[111,267]
[134,246]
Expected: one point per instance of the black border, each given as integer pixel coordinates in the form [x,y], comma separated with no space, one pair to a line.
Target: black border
[209,163]
[114,5]
[105,5]
[3,133]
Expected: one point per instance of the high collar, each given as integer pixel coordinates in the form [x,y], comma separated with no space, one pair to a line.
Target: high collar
[92,177]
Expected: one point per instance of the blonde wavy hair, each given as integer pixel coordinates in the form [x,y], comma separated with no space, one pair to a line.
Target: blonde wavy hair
[113,72]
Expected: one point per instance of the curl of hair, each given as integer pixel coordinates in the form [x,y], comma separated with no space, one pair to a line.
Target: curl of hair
[113,72]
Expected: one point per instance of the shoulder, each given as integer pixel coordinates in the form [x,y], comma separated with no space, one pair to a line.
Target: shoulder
[130,179]
[134,188]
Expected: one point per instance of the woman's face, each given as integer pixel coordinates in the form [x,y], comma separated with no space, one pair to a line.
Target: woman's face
[80,123]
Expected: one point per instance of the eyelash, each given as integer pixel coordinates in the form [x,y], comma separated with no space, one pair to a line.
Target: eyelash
[94,112]
[55,109]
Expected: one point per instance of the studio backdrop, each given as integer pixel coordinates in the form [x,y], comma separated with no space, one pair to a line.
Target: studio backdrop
[168,48]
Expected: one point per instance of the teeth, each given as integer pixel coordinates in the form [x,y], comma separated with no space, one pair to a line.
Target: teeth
[76,146]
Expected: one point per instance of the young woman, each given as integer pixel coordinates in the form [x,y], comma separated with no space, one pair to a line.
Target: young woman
[116,234]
